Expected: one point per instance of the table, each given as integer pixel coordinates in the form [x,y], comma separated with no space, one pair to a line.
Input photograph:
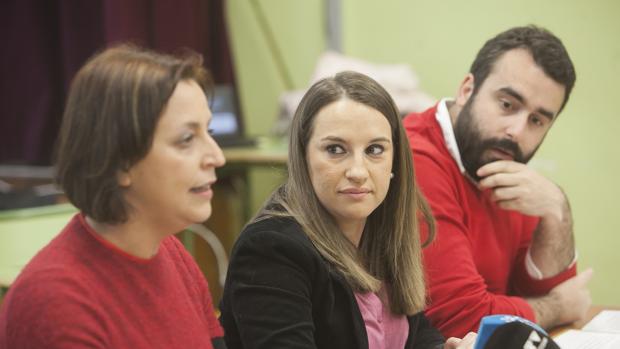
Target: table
[255,156]
[592,312]
[268,152]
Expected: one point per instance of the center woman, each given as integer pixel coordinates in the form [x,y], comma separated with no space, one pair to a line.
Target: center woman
[333,259]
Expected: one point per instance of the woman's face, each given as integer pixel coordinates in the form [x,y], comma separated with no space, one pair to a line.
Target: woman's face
[171,186]
[349,157]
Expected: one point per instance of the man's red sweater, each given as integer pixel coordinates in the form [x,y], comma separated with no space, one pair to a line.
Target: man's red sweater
[476,264]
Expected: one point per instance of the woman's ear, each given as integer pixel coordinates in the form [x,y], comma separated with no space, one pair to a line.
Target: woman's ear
[466,89]
[123,177]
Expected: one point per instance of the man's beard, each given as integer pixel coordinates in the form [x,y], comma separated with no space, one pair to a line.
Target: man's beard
[472,146]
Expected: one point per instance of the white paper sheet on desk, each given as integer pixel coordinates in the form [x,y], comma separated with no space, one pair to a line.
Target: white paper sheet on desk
[603,332]
[578,339]
[606,321]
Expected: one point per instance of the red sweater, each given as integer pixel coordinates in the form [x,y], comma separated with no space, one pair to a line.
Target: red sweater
[476,265]
[82,292]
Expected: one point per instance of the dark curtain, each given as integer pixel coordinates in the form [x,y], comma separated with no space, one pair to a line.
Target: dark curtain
[47,41]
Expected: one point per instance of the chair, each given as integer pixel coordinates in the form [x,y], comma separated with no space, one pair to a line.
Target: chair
[216,246]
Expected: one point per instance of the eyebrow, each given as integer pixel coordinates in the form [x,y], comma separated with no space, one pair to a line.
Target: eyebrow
[196,125]
[544,112]
[338,139]
[192,124]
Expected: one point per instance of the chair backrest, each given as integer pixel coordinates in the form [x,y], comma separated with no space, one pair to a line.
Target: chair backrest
[24,232]
[216,246]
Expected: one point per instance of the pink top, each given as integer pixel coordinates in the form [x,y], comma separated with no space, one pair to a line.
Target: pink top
[385,330]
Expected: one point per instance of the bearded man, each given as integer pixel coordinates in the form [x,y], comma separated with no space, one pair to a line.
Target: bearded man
[504,242]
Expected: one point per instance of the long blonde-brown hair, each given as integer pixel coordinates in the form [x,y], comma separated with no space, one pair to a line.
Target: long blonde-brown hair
[390,248]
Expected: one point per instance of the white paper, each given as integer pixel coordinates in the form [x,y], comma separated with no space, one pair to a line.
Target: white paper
[606,321]
[577,339]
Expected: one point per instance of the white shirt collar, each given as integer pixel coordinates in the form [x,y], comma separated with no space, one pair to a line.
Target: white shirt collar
[445,123]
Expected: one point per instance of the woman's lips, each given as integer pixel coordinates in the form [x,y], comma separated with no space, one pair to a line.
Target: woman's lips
[203,190]
[355,193]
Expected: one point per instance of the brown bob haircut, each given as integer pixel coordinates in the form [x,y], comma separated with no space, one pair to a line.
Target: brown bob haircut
[114,104]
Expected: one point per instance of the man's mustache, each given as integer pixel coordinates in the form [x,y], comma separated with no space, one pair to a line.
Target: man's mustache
[507,146]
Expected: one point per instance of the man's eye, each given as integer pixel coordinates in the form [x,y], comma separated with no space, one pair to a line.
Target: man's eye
[537,120]
[375,149]
[335,149]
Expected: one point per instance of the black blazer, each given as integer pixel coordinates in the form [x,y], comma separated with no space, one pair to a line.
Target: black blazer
[280,293]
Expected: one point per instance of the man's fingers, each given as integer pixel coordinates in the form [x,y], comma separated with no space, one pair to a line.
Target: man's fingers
[585,276]
[512,205]
[470,338]
[453,342]
[499,180]
[498,167]
[466,343]
[506,194]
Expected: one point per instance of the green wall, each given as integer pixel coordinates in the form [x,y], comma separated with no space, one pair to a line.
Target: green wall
[296,29]
[439,40]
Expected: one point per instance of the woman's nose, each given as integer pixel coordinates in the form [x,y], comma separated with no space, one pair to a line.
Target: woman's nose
[357,170]
[213,155]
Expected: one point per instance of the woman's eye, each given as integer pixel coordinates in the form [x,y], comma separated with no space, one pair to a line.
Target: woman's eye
[335,149]
[375,149]
[506,105]
[186,139]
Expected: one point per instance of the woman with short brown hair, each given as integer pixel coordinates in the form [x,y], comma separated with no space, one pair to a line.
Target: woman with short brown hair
[136,158]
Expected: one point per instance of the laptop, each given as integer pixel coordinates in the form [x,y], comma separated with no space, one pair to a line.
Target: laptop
[226,122]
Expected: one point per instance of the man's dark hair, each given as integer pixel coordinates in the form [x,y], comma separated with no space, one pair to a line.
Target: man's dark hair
[546,49]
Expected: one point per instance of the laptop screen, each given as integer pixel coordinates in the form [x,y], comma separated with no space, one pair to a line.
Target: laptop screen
[226,123]
[224,109]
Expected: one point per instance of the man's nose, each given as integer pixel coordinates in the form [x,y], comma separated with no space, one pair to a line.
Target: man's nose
[517,127]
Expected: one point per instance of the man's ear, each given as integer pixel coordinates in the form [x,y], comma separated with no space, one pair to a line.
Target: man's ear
[466,89]
[123,177]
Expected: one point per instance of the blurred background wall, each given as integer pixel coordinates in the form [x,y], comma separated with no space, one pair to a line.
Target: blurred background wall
[439,39]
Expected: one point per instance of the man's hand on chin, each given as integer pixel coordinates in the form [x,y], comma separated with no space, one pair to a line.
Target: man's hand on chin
[515,186]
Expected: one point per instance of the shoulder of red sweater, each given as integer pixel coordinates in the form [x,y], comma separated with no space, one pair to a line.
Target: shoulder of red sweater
[175,248]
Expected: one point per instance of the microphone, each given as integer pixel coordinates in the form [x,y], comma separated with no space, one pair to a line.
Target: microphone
[510,331]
